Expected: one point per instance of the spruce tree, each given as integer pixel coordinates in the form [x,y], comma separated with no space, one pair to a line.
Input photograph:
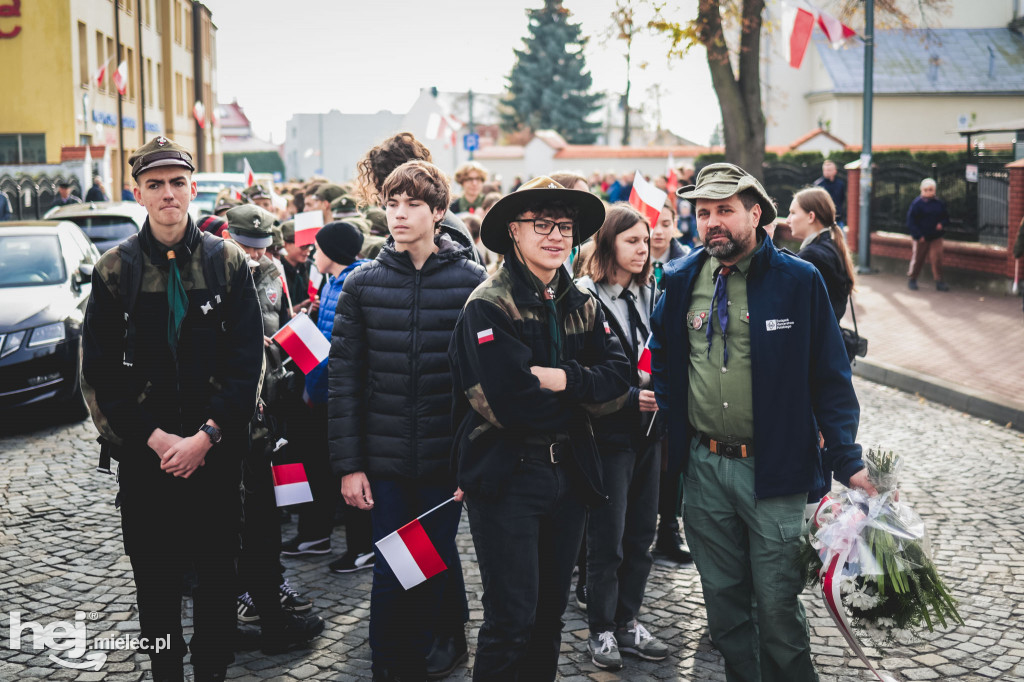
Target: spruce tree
[549,86]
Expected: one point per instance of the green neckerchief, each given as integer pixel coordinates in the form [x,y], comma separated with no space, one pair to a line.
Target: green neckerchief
[551,294]
[177,302]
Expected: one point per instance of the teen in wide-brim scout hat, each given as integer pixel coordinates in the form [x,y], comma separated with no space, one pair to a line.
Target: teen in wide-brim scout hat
[723,180]
[534,195]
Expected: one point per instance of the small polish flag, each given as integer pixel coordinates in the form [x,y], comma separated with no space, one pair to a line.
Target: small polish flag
[607,328]
[671,177]
[485,336]
[410,553]
[647,198]
[837,32]
[290,485]
[250,177]
[644,365]
[307,224]
[121,78]
[797,24]
[199,113]
[303,342]
[316,278]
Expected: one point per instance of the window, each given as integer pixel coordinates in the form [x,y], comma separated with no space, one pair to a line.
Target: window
[177,21]
[129,57]
[101,60]
[111,66]
[83,55]
[22,149]
[146,11]
[158,19]
[158,90]
[150,86]
[190,94]
[178,109]
[188,28]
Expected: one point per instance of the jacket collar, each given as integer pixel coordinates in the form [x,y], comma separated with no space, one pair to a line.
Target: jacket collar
[524,289]
[183,250]
[451,245]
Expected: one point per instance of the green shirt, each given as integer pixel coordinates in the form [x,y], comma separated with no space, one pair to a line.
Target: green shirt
[721,400]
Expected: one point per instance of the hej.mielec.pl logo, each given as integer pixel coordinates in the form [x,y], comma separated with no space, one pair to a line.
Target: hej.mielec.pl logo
[70,639]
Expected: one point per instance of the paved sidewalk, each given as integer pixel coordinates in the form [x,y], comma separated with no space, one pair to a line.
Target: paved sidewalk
[960,348]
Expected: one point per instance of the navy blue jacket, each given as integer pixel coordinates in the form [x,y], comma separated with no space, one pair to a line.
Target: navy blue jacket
[801,383]
[923,217]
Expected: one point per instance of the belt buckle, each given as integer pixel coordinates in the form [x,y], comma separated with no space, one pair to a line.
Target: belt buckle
[553,452]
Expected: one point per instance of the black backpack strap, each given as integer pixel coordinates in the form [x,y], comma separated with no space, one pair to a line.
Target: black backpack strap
[128,286]
[213,272]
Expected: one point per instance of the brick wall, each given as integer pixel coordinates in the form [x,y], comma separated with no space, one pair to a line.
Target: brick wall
[1016,207]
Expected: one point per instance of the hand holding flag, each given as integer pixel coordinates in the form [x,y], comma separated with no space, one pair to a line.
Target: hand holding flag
[410,553]
[303,342]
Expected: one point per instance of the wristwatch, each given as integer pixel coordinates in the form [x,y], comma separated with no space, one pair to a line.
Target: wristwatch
[213,432]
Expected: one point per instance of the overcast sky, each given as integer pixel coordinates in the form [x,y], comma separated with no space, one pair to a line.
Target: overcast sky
[308,56]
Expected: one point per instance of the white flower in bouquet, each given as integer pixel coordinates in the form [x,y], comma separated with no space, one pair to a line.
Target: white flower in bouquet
[848,584]
[859,599]
[903,636]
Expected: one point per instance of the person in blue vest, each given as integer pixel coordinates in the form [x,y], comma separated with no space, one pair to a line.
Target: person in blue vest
[749,364]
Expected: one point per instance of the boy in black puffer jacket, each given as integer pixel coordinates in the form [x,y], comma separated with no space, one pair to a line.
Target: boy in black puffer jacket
[389,413]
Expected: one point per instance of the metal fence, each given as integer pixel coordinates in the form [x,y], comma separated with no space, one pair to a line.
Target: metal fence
[979,211]
[32,197]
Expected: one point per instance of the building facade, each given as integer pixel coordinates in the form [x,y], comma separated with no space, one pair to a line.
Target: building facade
[55,98]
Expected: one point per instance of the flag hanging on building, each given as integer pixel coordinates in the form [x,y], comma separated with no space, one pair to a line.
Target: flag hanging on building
[199,112]
[647,198]
[410,553]
[250,177]
[797,24]
[121,78]
[99,75]
[836,31]
[291,485]
[303,342]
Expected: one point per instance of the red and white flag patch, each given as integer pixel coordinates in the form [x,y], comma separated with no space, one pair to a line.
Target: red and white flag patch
[485,336]
[607,329]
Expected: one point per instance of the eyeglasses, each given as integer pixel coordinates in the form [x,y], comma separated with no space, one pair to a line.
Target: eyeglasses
[473,179]
[544,227]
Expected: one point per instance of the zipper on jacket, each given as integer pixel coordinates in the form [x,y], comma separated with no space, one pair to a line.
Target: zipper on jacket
[415,371]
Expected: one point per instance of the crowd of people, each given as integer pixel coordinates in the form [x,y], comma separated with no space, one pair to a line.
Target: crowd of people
[571,374]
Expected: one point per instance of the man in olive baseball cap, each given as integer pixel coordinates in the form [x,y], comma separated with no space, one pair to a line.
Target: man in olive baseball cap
[259,195]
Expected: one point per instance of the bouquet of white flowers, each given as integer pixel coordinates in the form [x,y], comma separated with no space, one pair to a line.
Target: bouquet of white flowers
[872,559]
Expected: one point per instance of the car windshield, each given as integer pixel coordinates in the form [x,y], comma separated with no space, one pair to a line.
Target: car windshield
[106,228]
[30,260]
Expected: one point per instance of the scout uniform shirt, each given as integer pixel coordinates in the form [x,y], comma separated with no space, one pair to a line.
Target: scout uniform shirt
[721,390]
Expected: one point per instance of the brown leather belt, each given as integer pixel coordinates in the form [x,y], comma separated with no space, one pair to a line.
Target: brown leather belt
[727,450]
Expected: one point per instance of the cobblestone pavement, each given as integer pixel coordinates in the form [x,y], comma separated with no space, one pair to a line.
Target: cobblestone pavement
[60,553]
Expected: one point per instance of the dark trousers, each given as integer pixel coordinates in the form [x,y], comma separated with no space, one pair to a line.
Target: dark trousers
[158,579]
[922,250]
[316,518]
[668,494]
[526,543]
[260,572]
[619,536]
[403,623]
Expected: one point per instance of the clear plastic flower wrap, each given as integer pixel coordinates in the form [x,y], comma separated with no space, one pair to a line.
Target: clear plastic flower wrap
[872,558]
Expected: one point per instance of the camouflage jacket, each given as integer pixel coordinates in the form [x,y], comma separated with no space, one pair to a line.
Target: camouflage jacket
[502,332]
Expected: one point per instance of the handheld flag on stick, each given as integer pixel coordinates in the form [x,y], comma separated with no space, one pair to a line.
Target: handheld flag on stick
[410,553]
[291,485]
[250,177]
[647,198]
[644,365]
[307,224]
[303,342]
[316,278]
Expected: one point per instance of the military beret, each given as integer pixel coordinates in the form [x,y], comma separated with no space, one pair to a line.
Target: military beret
[158,152]
[378,220]
[256,191]
[250,225]
[723,180]
[344,204]
[329,192]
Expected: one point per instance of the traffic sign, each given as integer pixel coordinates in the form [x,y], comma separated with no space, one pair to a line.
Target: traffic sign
[470,142]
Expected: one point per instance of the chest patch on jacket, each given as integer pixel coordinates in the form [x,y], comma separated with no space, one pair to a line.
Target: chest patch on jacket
[272,295]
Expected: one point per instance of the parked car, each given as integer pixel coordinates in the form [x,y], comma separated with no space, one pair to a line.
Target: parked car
[45,280]
[210,184]
[106,223]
